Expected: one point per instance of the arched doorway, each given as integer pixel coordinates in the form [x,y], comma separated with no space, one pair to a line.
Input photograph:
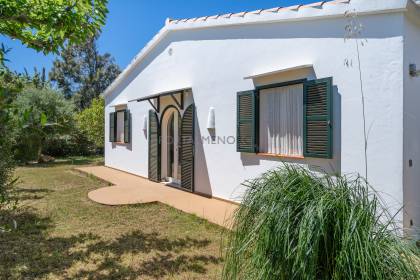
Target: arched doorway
[170,134]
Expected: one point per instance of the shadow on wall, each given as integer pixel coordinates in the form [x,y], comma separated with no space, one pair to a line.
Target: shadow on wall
[330,166]
[201,176]
[289,30]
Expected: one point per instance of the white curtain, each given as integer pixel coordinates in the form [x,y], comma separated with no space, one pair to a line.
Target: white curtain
[120,126]
[281,120]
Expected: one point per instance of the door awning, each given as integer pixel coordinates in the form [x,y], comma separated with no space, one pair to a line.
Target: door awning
[161,94]
[157,96]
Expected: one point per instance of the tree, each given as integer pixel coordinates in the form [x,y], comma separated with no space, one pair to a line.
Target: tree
[91,122]
[48,24]
[40,114]
[45,26]
[83,73]
[38,79]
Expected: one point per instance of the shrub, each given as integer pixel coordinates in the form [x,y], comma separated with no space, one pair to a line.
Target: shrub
[43,114]
[73,144]
[10,85]
[92,122]
[7,166]
[8,198]
[293,224]
[6,158]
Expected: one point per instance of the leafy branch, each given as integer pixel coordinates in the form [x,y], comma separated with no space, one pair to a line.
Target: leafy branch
[48,24]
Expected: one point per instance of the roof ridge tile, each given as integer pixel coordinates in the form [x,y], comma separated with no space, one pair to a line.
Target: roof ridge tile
[273,10]
[296,8]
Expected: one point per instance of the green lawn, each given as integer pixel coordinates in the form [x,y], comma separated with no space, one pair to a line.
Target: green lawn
[61,234]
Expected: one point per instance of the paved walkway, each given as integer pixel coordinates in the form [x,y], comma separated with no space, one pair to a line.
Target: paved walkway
[131,189]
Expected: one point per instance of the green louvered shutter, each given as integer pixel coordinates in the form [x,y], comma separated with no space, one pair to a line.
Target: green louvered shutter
[246,122]
[112,126]
[127,126]
[317,118]
[187,149]
[154,147]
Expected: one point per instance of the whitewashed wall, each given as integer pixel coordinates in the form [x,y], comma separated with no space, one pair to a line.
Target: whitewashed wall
[214,61]
[412,125]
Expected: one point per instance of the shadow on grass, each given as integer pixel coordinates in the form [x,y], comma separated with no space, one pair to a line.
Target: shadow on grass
[31,193]
[29,252]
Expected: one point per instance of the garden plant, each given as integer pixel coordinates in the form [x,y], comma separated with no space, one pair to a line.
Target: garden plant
[295,224]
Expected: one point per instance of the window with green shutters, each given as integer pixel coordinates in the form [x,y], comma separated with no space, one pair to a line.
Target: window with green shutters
[317,118]
[120,126]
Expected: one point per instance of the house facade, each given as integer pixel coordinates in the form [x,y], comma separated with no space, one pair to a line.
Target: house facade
[213,101]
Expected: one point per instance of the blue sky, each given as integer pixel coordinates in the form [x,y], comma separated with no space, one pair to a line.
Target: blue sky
[132,23]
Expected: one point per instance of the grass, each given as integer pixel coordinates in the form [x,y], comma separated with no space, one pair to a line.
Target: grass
[294,224]
[61,234]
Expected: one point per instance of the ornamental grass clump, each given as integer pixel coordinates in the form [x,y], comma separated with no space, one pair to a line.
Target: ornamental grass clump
[294,224]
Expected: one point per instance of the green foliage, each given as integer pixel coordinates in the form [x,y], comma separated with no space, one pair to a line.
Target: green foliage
[40,114]
[295,225]
[48,24]
[7,164]
[44,26]
[10,84]
[82,73]
[92,122]
[74,143]
[3,52]
[7,181]
[38,79]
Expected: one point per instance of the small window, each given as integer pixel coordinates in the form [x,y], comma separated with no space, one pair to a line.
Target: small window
[120,126]
[281,121]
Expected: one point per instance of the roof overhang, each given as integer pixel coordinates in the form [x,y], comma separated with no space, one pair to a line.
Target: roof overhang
[279,71]
[121,104]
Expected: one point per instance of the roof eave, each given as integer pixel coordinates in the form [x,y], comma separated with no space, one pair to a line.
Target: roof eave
[136,60]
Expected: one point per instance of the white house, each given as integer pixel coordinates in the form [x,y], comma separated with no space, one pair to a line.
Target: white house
[212,101]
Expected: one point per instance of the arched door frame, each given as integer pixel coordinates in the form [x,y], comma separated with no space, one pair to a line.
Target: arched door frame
[165,110]
[162,127]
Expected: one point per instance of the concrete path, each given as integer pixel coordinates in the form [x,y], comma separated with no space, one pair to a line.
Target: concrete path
[131,189]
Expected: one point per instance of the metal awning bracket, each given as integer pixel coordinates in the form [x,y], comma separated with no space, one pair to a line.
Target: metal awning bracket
[180,104]
[153,105]
[156,108]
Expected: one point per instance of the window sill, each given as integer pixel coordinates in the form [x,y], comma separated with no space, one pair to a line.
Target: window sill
[280,156]
[119,143]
